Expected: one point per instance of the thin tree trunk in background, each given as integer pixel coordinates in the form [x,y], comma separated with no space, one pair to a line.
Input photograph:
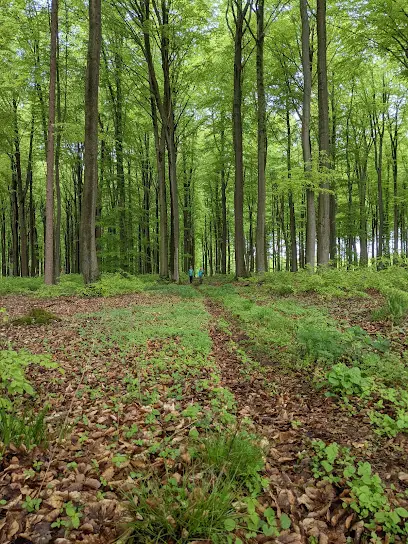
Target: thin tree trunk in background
[323,238]
[15,247]
[57,231]
[306,146]
[224,228]
[262,142]
[21,196]
[31,209]
[240,13]
[159,137]
[171,142]
[120,171]
[49,276]
[89,261]
[394,141]
[292,217]
[3,244]
[333,201]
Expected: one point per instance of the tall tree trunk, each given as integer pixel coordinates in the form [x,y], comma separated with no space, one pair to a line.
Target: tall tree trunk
[171,141]
[394,140]
[306,146]
[262,142]
[323,238]
[3,244]
[159,137]
[240,12]
[224,227]
[49,276]
[15,246]
[333,201]
[57,231]
[292,217]
[21,196]
[89,261]
[31,210]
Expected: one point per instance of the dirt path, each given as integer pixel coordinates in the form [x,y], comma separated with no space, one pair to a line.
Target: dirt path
[290,414]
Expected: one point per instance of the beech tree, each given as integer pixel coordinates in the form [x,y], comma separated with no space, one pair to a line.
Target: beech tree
[178,180]
[89,261]
[49,272]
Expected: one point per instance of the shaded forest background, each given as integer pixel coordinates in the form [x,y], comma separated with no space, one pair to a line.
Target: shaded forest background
[179,82]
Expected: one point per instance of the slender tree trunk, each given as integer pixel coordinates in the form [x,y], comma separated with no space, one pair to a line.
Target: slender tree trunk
[171,142]
[224,227]
[262,142]
[292,217]
[89,261]
[394,137]
[31,209]
[57,231]
[3,244]
[306,147]
[333,201]
[49,276]
[15,246]
[323,239]
[240,12]
[21,196]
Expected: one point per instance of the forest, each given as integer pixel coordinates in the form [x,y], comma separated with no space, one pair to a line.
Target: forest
[243,136]
[204,271]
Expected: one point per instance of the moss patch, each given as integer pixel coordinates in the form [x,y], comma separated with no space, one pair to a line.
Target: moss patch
[36,316]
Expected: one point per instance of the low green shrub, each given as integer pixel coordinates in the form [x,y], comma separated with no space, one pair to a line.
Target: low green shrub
[367,496]
[348,381]
[320,341]
[389,426]
[13,380]
[395,308]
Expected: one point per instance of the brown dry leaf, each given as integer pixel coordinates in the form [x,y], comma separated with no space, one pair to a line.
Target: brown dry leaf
[403,477]
[13,529]
[293,538]
[92,483]
[108,474]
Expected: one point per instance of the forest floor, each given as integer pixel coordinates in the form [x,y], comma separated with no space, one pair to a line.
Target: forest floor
[228,412]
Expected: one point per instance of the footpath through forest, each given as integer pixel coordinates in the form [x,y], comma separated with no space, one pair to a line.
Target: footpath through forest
[183,415]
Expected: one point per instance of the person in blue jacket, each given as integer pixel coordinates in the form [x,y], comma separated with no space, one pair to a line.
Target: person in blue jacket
[201,274]
[191,273]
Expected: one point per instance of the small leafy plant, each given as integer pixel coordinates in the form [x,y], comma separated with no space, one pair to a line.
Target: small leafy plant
[367,495]
[31,505]
[13,380]
[348,381]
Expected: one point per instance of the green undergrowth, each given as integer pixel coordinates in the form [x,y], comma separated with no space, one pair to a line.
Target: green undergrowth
[212,476]
[273,324]
[19,423]
[72,284]
[215,497]
[363,491]
[183,321]
[333,282]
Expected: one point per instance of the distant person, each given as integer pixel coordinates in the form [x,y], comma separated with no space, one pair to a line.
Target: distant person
[201,274]
[191,273]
